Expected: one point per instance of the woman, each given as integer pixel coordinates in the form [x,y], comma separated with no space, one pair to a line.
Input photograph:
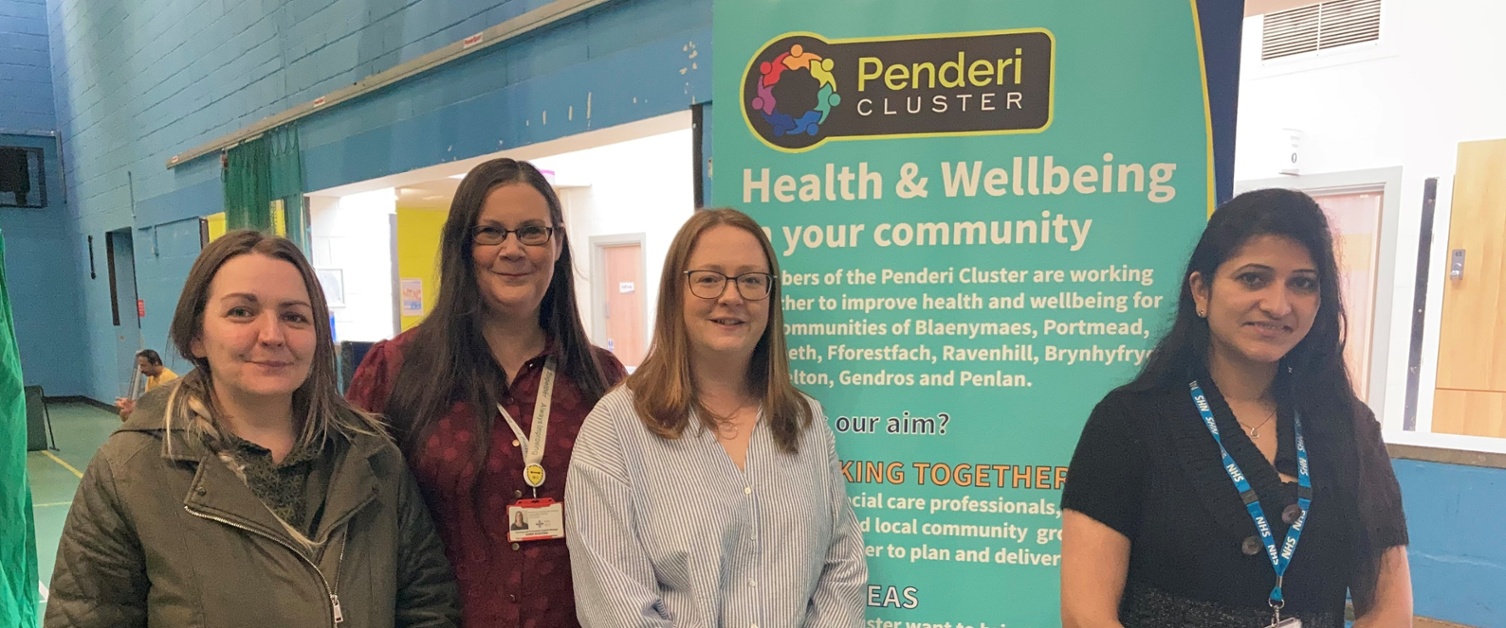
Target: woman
[1156,528]
[248,493]
[463,390]
[706,491]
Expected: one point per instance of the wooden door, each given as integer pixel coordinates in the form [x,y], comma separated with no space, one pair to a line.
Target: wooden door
[1471,391]
[621,294]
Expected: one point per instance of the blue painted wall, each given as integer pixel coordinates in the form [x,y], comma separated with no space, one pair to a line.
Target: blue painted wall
[43,277]
[1457,519]
[25,71]
[43,281]
[140,80]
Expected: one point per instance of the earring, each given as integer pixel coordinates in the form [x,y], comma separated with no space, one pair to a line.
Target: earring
[1201,313]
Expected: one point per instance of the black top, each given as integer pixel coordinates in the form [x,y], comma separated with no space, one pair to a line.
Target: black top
[1147,467]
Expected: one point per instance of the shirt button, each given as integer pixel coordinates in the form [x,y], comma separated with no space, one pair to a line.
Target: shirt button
[512,597]
[1250,546]
[753,582]
[517,493]
[748,490]
[514,442]
[514,547]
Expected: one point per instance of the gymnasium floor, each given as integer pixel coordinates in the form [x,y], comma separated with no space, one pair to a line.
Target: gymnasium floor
[80,429]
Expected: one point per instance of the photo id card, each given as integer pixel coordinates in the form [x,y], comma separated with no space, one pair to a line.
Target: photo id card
[536,520]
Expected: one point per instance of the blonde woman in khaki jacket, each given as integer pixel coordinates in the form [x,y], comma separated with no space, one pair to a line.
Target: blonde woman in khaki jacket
[248,494]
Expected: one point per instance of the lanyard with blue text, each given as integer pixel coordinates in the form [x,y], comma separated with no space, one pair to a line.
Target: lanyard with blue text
[1280,559]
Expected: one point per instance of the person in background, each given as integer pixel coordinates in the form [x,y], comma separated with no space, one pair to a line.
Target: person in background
[706,491]
[149,363]
[1238,481]
[488,392]
[248,493]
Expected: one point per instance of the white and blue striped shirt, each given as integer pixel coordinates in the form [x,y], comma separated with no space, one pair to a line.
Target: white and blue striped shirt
[671,533]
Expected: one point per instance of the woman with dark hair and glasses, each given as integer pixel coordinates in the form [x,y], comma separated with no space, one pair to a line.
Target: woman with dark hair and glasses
[488,392]
[706,491]
[1238,481]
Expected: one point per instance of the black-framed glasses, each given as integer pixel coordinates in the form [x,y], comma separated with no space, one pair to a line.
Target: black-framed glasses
[531,235]
[709,284]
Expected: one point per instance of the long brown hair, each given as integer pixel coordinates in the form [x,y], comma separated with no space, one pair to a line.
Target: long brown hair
[317,404]
[664,392]
[448,360]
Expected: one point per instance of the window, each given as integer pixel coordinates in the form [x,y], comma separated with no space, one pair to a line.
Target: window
[1321,26]
[21,181]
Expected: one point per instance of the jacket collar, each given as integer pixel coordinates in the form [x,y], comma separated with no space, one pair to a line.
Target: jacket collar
[217,492]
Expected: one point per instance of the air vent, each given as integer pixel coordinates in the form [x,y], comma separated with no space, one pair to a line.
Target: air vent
[1320,26]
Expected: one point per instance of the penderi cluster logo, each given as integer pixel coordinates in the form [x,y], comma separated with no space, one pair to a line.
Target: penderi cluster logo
[802,90]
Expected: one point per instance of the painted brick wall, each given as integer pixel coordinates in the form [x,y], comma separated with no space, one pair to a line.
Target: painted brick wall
[43,279]
[1456,516]
[25,75]
[137,81]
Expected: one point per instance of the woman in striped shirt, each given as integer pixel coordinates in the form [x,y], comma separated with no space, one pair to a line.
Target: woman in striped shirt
[707,491]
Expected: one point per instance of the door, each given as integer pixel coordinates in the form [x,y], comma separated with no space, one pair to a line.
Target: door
[121,253]
[1355,218]
[621,297]
[1471,390]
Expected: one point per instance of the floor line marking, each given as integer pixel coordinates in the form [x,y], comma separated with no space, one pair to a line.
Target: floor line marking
[65,464]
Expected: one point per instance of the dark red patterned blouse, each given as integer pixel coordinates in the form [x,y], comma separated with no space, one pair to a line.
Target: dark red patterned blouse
[502,584]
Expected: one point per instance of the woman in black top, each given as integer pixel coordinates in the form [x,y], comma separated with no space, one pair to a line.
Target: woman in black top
[1156,531]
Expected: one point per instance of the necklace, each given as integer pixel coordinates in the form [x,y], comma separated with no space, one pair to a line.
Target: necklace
[1254,432]
[727,428]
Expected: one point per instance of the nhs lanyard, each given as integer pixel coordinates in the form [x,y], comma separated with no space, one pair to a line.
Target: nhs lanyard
[533,443]
[1281,559]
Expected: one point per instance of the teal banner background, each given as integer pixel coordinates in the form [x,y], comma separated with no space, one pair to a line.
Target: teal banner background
[956,423]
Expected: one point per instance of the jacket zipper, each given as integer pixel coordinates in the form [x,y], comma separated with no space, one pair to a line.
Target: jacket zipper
[335,611]
[334,596]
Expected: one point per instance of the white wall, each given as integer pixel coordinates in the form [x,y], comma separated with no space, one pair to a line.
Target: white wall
[354,234]
[638,186]
[1433,81]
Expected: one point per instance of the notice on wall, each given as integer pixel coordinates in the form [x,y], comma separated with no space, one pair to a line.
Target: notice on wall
[411,292]
[980,233]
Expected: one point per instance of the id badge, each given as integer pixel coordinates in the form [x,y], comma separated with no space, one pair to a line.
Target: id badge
[539,520]
[1290,622]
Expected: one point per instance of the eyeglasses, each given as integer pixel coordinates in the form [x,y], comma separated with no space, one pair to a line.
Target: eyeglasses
[709,284]
[531,235]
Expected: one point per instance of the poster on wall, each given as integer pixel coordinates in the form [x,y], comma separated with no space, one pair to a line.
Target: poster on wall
[980,214]
[411,292]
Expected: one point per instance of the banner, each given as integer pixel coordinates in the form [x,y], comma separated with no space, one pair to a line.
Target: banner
[981,210]
[18,550]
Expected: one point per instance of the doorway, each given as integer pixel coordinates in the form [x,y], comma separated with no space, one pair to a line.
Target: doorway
[619,310]
[126,306]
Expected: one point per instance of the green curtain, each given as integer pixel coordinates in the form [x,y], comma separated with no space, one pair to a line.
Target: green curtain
[18,537]
[260,171]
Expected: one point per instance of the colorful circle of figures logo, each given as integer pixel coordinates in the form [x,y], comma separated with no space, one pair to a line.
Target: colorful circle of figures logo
[790,93]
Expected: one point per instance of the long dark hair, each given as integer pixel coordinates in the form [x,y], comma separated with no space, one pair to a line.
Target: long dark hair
[1312,377]
[663,390]
[1318,359]
[448,360]
[317,405]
